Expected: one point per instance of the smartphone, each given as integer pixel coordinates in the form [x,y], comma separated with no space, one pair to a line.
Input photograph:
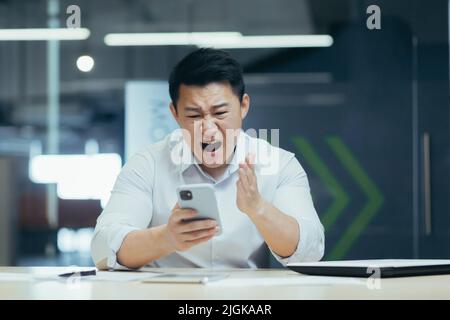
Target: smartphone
[202,278]
[202,198]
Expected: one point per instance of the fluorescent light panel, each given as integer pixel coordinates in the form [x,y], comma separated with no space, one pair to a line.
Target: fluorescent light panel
[170,38]
[224,40]
[44,34]
[282,41]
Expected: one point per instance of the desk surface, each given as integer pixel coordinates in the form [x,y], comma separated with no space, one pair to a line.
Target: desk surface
[241,284]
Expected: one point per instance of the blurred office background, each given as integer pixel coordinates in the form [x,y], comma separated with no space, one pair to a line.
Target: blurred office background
[366,112]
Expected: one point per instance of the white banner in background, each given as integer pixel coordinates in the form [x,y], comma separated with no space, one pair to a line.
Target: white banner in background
[147,115]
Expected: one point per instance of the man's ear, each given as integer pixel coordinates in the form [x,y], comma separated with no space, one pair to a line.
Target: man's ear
[245,105]
[174,113]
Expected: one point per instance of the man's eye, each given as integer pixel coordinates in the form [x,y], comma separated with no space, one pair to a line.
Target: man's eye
[221,113]
[193,117]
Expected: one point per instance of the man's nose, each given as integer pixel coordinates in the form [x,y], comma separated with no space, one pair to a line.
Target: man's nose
[209,129]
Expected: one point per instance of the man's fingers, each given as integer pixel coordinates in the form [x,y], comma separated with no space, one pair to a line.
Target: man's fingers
[190,226]
[243,178]
[194,235]
[250,176]
[243,182]
[239,187]
[181,214]
[199,240]
[250,160]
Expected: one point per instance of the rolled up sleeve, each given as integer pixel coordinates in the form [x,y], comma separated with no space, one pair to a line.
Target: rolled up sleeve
[293,197]
[129,209]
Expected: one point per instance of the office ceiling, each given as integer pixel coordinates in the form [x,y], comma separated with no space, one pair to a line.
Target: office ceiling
[88,99]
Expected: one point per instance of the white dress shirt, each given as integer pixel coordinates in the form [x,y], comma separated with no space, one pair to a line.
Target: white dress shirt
[144,195]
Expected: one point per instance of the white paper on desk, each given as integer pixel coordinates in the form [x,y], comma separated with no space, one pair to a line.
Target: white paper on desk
[121,276]
[17,277]
[10,276]
[114,276]
[293,280]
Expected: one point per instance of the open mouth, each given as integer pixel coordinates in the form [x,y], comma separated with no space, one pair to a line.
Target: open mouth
[211,147]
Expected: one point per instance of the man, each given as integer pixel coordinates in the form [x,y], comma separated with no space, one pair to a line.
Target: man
[143,224]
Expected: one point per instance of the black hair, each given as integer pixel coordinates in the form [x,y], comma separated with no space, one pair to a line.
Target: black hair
[205,66]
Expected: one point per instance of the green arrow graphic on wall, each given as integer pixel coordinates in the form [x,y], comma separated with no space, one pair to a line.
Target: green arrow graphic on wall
[368,212]
[341,198]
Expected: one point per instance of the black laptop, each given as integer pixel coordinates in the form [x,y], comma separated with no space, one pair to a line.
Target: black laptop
[367,268]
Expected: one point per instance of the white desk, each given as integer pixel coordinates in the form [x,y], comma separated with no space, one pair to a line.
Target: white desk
[241,284]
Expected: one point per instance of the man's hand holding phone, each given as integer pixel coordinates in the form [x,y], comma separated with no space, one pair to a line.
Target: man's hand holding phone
[182,234]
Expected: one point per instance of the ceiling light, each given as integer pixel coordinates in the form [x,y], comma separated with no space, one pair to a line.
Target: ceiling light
[85,63]
[171,38]
[45,34]
[224,40]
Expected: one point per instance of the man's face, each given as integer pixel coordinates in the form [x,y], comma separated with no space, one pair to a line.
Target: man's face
[212,115]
